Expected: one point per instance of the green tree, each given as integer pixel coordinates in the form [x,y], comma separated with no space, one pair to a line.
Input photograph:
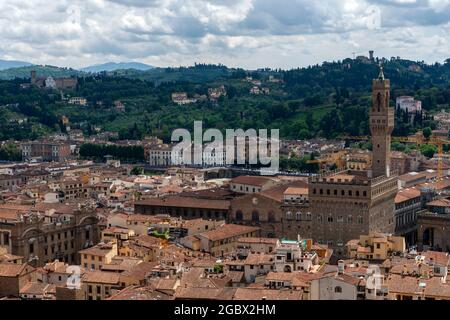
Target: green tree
[137,171]
[428,150]
[427,132]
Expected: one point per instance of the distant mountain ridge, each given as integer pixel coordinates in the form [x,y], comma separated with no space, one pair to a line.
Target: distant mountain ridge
[8,64]
[113,66]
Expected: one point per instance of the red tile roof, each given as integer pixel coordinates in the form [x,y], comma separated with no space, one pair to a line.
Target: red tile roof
[186,202]
[228,231]
[252,180]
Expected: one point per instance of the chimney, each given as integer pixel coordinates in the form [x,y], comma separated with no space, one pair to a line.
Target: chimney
[341,266]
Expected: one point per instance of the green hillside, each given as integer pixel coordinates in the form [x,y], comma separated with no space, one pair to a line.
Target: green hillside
[323,100]
[41,71]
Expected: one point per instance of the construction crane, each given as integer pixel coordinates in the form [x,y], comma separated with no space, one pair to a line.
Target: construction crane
[418,139]
[335,157]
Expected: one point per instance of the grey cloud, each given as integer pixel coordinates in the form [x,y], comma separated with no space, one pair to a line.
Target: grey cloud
[137,3]
[252,32]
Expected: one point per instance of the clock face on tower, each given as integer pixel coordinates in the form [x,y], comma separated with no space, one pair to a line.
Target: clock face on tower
[255,201]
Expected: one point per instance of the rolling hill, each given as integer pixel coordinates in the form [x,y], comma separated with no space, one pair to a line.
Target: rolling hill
[8,64]
[42,71]
[113,66]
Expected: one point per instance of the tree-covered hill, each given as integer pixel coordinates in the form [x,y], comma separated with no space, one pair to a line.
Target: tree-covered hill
[322,100]
[41,71]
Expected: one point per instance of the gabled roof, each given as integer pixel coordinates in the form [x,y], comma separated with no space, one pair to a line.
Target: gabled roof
[101,277]
[186,202]
[140,293]
[12,270]
[228,231]
[267,294]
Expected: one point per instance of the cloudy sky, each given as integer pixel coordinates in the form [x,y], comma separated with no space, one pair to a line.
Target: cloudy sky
[245,33]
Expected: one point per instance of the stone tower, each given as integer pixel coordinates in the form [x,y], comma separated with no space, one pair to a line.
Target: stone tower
[381,121]
[33,77]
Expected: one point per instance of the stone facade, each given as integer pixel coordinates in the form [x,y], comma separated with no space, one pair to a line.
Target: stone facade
[347,204]
[258,210]
[433,231]
[39,241]
[296,219]
[15,277]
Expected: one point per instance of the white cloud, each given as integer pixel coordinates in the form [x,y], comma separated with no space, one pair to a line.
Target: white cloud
[247,33]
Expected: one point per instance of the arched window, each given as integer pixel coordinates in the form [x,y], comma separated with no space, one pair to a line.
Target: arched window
[289,215]
[319,218]
[379,101]
[271,217]
[330,219]
[308,216]
[338,289]
[255,216]
[239,215]
[349,219]
[298,216]
[360,220]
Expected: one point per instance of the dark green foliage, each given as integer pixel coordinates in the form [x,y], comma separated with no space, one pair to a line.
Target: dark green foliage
[428,150]
[10,152]
[427,132]
[98,152]
[326,100]
[137,171]
[298,164]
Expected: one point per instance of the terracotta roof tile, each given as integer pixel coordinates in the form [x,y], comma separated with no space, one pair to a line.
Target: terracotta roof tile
[227,231]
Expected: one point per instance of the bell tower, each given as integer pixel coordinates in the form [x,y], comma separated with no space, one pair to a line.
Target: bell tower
[381,122]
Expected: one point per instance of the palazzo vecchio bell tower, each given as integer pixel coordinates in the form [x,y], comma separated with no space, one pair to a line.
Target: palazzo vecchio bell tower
[381,122]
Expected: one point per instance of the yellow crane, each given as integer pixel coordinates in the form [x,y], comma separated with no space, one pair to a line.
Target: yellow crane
[335,157]
[418,139]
